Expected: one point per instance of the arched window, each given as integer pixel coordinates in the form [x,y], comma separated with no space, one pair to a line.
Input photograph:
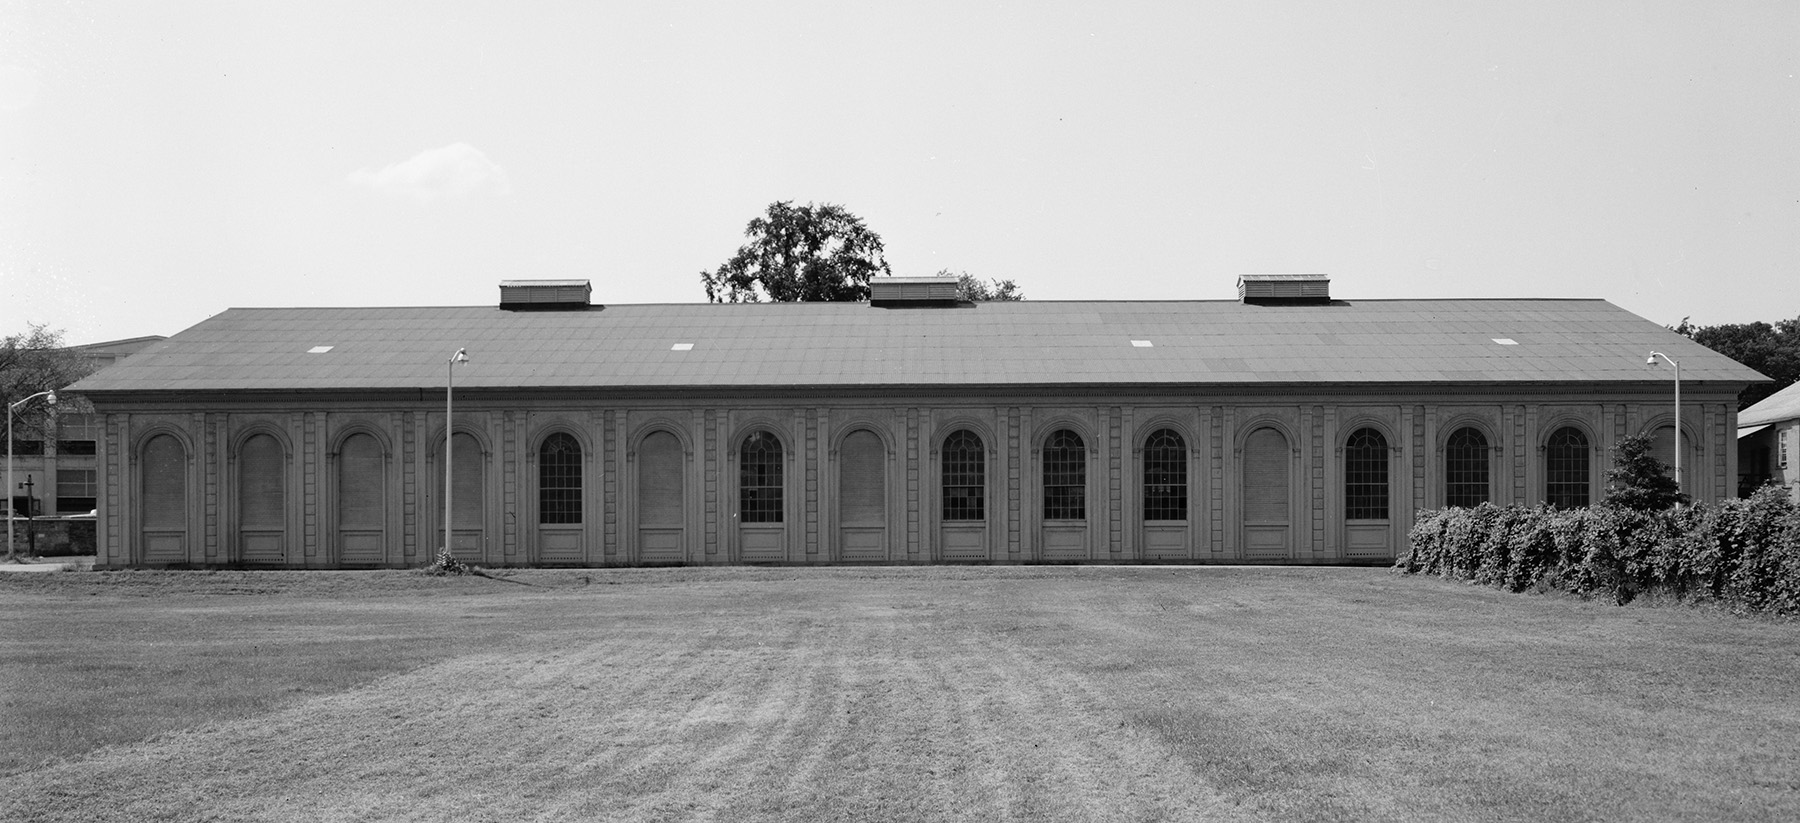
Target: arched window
[1065,476]
[1662,447]
[468,482]
[1165,476]
[862,479]
[362,494]
[1265,477]
[965,477]
[559,479]
[759,479]
[1366,476]
[165,484]
[361,500]
[1466,468]
[262,498]
[1566,469]
[661,464]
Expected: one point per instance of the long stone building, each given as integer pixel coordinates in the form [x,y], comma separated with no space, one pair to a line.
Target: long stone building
[1282,427]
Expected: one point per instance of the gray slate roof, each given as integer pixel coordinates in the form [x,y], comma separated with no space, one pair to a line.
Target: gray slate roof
[856,344]
[1782,405]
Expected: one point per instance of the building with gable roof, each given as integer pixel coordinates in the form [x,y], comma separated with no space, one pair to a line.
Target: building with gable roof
[1282,427]
[1769,443]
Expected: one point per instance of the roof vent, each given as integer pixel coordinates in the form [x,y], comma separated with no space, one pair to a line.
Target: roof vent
[1284,289]
[545,295]
[901,292]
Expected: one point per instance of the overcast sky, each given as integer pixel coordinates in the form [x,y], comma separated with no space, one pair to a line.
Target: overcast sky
[163,161]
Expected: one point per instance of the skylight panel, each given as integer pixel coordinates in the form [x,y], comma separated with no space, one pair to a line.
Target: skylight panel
[682,347]
[1143,344]
[319,349]
[1506,341]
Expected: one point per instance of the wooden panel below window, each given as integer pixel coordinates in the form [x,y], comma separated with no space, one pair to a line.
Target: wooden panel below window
[1369,539]
[964,541]
[362,545]
[1265,542]
[561,543]
[264,545]
[762,542]
[1066,541]
[1164,541]
[863,544]
[662,545]
[165,546]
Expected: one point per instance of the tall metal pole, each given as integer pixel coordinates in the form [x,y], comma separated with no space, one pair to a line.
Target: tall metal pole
[1677,427]
[449,429]
[12,553]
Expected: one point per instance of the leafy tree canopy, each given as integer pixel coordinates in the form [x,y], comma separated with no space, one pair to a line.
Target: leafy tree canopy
[797,254]
[1773,350]
[1639,481]
[35,361]
[974,289]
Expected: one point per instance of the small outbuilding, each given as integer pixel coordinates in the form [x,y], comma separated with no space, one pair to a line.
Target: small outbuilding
[1282,427]
[1769,443]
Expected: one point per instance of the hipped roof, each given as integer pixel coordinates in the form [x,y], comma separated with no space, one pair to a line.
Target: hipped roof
[1081,343]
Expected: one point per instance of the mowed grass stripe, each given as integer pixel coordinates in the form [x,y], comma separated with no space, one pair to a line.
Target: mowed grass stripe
[1015,694]
[820,721]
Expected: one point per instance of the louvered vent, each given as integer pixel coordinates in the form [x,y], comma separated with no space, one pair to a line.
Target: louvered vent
[912,291]
[1284,288]
[545,295]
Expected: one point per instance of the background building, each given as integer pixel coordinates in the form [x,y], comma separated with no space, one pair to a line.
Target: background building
[1769,442]
[57,469]
[1283,427]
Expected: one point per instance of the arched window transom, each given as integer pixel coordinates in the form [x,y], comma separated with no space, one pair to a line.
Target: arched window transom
[1366,476]
[1567,469]
[1065,476]
[759,479]
[1165,476]
[559,479]
[1466,468]
[965,477]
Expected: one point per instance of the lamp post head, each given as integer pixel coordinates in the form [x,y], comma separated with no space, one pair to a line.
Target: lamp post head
[1651,360]
[461,356]
[50,398]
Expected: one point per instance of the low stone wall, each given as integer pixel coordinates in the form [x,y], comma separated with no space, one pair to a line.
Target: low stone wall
[53,538]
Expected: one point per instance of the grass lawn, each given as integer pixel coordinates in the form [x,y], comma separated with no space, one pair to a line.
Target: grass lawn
[1018,693]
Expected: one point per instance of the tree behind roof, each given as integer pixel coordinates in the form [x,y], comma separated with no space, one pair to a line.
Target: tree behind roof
[1773,350]
[809,253]
[35,361]
[973,289]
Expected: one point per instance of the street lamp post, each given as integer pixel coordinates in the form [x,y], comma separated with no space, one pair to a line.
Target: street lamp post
[1651,360]
[12,552]
[461,356]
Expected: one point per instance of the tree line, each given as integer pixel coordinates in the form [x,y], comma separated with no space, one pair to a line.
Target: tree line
[1773,350]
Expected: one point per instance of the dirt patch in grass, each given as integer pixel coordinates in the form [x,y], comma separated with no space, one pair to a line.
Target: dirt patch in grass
[960,693]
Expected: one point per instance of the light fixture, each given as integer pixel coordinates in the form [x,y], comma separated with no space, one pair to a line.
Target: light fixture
[461,356]
[1676,428]
[12,553]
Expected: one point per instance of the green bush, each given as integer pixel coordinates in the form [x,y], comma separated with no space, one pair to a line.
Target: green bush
[1742,553]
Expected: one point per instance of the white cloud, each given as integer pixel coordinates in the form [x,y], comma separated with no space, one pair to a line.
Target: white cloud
[458,171]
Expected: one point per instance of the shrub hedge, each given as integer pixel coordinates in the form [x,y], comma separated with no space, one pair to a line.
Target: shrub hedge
[1741,553]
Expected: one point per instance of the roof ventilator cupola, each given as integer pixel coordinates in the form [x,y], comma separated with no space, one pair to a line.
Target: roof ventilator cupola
[545,295]
[1284,289]
[909,292]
